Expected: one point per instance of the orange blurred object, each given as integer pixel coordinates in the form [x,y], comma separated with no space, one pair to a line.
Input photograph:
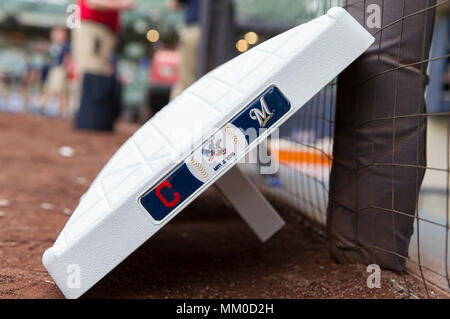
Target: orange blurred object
[306,157]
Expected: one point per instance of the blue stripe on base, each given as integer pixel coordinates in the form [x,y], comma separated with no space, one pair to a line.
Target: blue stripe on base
[180,184]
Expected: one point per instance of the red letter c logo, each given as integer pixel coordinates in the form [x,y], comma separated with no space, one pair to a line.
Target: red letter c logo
[162,198]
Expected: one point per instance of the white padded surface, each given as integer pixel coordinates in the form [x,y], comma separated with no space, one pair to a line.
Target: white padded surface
[109,223]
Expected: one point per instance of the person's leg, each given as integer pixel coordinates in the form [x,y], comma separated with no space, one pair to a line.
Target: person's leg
[62,104]
[73,97]
[58,88]
[188,51]
[97,92]
[45,97]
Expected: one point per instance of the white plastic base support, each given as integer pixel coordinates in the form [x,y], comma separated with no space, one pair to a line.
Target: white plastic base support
[170,159]
[250,204]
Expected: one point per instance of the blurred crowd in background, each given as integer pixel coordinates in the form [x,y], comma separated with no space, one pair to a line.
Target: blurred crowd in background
[44,58]
[128,58]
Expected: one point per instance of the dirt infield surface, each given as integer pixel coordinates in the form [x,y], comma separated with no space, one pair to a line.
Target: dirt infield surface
[205,252]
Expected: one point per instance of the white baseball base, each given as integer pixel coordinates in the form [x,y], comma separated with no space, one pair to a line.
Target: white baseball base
[169,161]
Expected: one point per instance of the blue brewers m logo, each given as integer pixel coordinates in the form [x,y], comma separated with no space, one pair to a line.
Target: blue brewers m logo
[262,115]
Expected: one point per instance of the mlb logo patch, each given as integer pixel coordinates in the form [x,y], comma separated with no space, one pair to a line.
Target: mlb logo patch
[219,151]
[263,112]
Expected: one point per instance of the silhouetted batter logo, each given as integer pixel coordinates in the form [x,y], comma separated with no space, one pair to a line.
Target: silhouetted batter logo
[213,149]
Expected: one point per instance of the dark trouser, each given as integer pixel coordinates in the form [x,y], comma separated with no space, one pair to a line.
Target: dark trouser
[100,102]
[379,152]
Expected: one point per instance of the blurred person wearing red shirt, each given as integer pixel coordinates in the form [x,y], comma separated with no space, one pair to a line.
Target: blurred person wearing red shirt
[94,44]
[95,41]
[56,84]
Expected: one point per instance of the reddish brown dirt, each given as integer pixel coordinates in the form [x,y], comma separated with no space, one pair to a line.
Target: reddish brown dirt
[207,251]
